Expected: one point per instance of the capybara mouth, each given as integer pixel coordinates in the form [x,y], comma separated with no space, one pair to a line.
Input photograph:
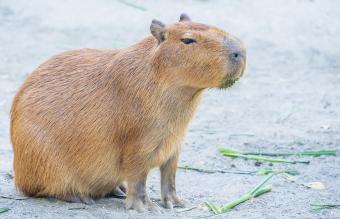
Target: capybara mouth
[229,82]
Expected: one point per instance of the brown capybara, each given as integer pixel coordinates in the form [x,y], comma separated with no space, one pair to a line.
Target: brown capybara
[88,121]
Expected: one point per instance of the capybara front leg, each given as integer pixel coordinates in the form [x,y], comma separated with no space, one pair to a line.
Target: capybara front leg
[137,197]
[168,184]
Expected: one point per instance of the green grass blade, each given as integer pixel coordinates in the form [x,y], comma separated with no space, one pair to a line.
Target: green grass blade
[3,210]
[270,154]
[232,204]
[319,207]
[260,189]
[216,171]
[316,153]
[245,197]
[213,207]
[263,190]
[263,158]
[237,172]
[229,150]
[267,171]
[196,169]
[264,171]
[262,184]
[292,172]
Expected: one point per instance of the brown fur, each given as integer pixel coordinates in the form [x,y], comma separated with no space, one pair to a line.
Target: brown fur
[87,120]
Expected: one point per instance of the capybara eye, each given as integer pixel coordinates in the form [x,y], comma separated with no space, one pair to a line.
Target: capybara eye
[188,40]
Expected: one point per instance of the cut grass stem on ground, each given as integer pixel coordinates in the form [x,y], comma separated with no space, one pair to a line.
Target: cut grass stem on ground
[235,153]
[3,210]
[260,189]
[319,207]
[317,153]
[264,171]
[313,153]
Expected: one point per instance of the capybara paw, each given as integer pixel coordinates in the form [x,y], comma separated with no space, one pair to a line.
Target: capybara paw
[137,205]
[85,200]
[167,204]
[153,207]
[141,205]
[173,201]
[179,203]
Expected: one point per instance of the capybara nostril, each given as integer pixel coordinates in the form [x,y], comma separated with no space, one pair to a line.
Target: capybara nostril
[237,56]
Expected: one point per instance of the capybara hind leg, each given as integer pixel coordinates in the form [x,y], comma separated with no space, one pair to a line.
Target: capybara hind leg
[168,184]
[137,197]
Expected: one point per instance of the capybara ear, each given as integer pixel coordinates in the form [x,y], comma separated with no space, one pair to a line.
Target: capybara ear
[184,17]
[157,29]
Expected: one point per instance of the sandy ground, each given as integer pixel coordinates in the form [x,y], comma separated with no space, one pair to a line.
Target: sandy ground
[289,98]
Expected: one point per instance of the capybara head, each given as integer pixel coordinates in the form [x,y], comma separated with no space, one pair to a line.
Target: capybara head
[197,55]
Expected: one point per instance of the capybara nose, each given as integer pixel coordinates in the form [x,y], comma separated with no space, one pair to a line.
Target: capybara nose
[236,50]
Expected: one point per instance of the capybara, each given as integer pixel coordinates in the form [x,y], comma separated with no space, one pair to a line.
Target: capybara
[88,121]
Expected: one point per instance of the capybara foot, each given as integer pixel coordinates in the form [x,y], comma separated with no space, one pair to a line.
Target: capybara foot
[85,200]
[171,200]
[142,204]
[137,197]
